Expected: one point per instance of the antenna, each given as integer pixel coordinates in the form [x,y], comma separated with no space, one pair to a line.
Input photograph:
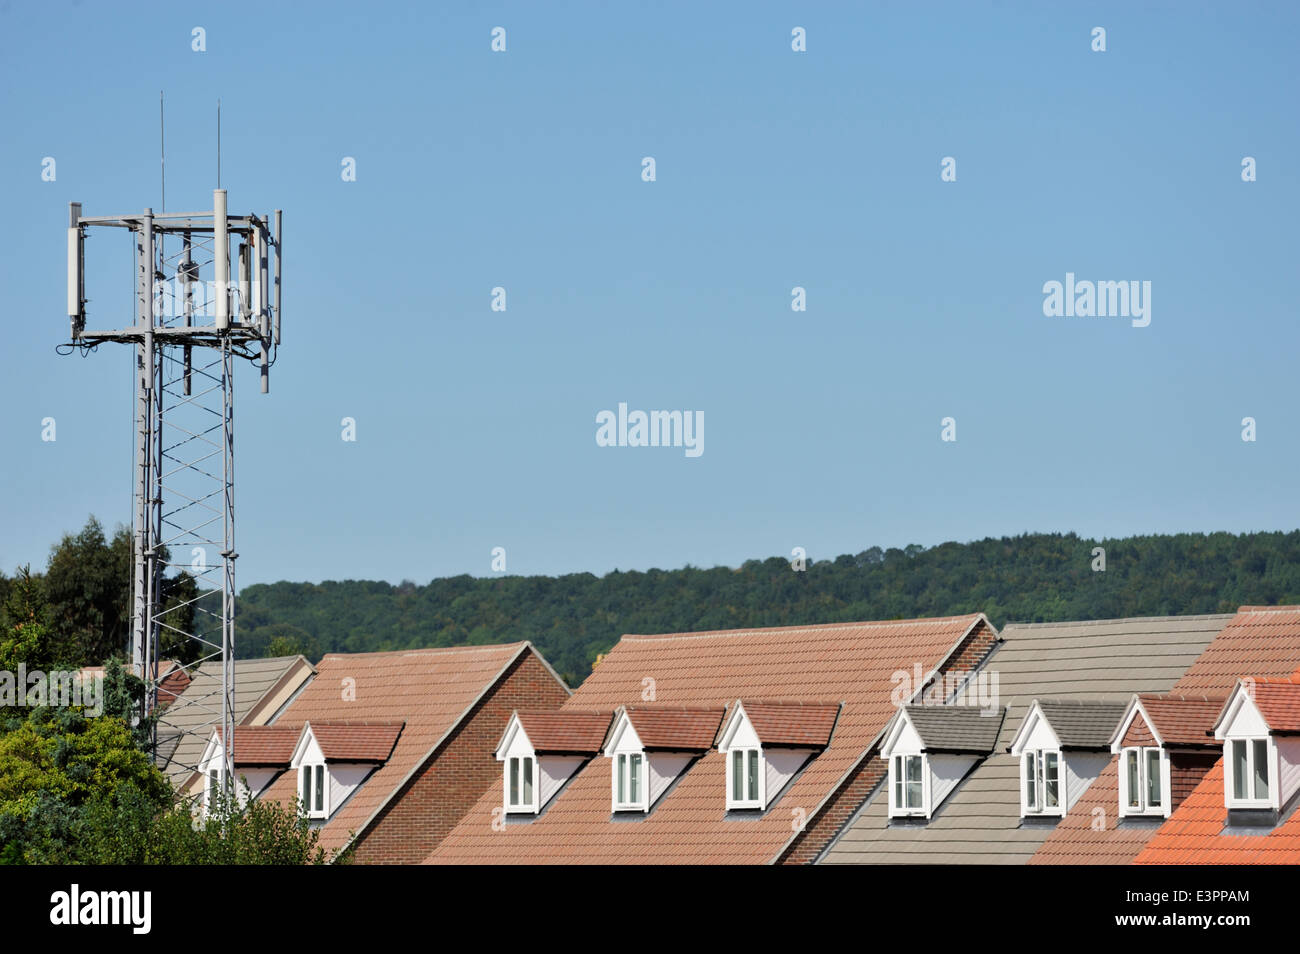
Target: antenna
[162,150]
[184,333]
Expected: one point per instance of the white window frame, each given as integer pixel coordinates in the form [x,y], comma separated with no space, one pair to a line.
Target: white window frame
[899,783]
[1128,806]
[624,775]
[1033,789]
[1252,799]
[319,782]
[210,782]
[753,787]
[527,764]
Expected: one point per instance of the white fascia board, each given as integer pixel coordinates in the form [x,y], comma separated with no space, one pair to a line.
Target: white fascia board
[211,751]
[898,731]
[735,720]
[623,737]
[1238,702]
[300,748]
[514,730]
[1033,718]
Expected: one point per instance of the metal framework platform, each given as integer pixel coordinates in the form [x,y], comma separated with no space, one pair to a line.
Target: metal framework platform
[192,322]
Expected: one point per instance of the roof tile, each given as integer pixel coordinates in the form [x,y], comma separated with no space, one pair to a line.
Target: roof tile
[428,689]
[676,728]
[855,662]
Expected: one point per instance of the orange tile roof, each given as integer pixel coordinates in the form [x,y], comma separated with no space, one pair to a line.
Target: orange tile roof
[264,745]
[169,674]
[429,689]
[173,682]
[565,732]
[859,663]
[795,724]
[1259,640]
[1278,701]
[1191,836]
[355,741]
[676,728]
[1089,834]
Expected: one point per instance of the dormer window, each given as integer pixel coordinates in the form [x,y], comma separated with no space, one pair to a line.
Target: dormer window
[908,773]
[628,781]
[627,759]
[929,749]
[1060,748]
[766,744]
[1040,775]
[313,790]
[650,747]
[541,750]
[1248,770]
[331,760]
[261,754]
[520,790]
[1162,736]
[745,776]
[1261,758]
[1143,775]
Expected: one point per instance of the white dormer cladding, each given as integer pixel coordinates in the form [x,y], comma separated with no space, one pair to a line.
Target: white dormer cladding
[322,787]
[529,779]
[1051,778]
[755,775]
[919,781]
[637,776]
[249,781]
[1261,770]
[1144,770]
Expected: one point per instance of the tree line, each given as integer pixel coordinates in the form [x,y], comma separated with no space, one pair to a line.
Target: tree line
[1033,577]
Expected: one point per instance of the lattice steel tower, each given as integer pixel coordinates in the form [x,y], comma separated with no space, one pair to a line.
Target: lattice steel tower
[192,321]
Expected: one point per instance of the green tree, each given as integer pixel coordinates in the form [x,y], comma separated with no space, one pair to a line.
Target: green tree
[283,639]
[128,829]
[88,584]
[26,636]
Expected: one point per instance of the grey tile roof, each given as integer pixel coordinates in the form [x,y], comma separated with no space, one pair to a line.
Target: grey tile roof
[1082,723]
[979,823]
[185,725]
[956,728]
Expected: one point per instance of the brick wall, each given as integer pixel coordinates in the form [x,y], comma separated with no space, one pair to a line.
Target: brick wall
[1186,769]
[872,769]
[449,784]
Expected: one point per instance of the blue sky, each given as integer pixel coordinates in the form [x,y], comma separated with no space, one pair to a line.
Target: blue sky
[774,169]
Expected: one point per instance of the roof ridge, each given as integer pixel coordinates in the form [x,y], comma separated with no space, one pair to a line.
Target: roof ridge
[1289,608]
[429,650]
[1065,701]
[911,621]
[948,707]
[792,702]
[1117,619]
[672,707]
